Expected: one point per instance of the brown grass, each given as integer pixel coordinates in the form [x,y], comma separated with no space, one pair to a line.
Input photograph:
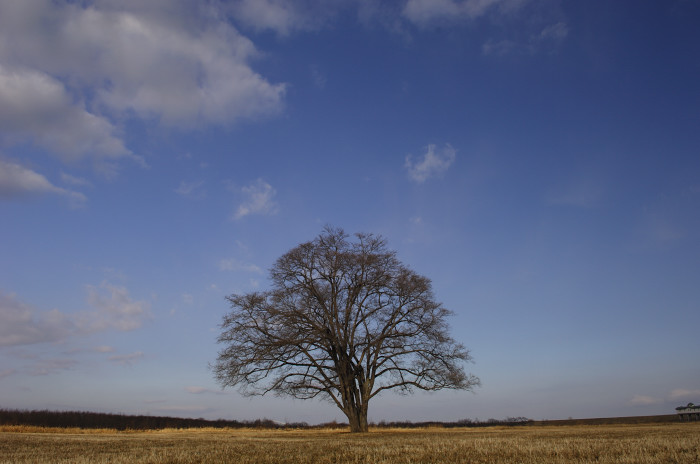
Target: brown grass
[639,443]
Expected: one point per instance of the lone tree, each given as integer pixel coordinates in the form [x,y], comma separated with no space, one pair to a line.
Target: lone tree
[344,320]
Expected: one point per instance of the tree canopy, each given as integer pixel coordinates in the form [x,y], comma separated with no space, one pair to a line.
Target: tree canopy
[344,320]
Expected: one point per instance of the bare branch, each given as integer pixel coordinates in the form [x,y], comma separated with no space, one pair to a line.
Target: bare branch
[344,320]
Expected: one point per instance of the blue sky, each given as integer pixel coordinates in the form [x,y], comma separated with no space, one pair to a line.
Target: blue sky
[537,159]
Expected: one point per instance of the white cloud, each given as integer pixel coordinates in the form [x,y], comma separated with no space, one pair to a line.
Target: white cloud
[69,70]
[38,106]
[16,180]
[235,265]
[433,163]
[259,199]
[20,324]
[114,309]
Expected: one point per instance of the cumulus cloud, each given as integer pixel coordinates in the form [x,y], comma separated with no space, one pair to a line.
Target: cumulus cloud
[433,163]
[36,105]
[16,180]
[70,70]
[259,199]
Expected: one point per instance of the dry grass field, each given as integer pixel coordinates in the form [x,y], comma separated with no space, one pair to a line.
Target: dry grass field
[639,443]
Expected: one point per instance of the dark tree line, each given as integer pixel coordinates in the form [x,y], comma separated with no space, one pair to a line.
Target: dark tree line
[96,420]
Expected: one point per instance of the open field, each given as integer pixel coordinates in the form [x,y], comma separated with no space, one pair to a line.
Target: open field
[639,443]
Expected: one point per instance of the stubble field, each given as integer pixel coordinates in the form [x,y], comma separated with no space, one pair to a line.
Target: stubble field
[641,443]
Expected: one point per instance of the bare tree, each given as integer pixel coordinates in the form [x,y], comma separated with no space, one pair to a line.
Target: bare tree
[344,320]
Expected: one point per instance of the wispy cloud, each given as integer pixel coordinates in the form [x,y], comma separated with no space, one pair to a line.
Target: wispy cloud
[7,372]
[675,396]
[202,390]
[286,17]
[433,163]
[127,359]
[20,324]
[104,349]
[422,12]
[76,181]
[547,39]
[684,394]
[283,16]
[50,366]
[235,265]
[644,400]
[318,77]
[584,192]
[190,189]
[555,32]
[17,181]
[259,198]
[112,309]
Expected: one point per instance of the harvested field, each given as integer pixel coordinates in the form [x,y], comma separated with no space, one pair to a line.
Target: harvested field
[639,443]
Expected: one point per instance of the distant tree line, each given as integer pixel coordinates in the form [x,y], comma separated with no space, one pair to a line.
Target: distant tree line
[510,421]
[96,420]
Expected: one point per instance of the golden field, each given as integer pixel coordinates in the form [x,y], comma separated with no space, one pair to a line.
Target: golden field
[639,443]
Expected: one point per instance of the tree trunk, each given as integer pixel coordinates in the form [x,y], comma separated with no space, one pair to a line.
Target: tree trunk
[358,420]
